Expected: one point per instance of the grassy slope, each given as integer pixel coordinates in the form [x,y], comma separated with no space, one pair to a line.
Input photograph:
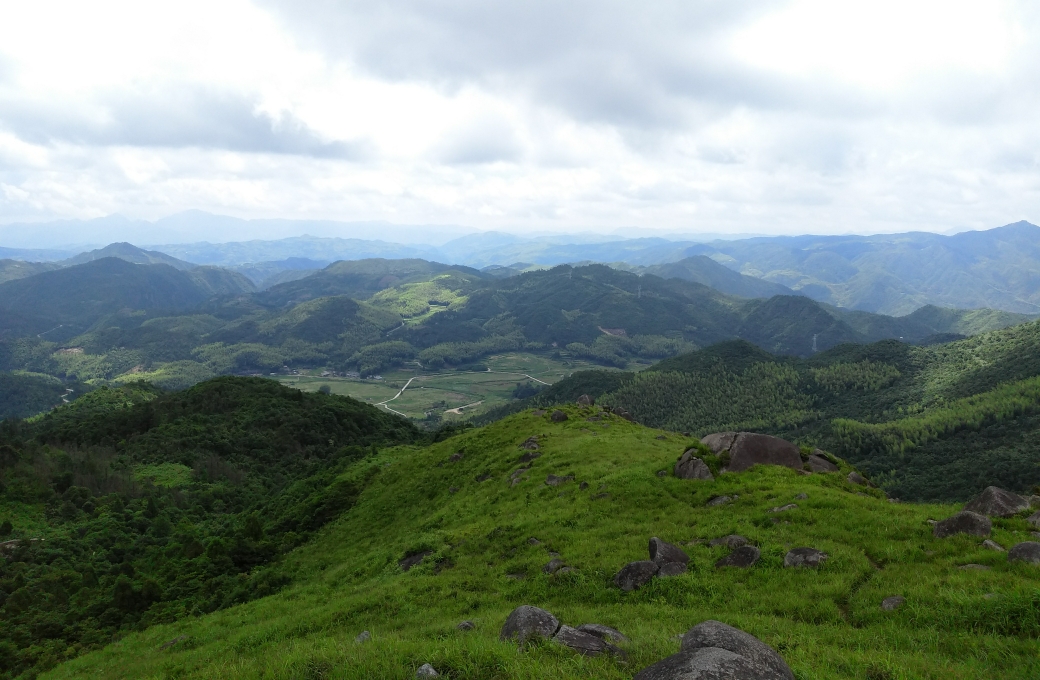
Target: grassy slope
[826,624]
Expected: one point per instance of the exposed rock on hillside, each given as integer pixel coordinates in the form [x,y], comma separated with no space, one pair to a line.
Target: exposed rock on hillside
[635,575]
[818,463]
[996,502]
[527,622]
[713,650]
[964,522]
[662,553]
[746,449]
[1029,551]
[804,557]
[742,558]
[691,467]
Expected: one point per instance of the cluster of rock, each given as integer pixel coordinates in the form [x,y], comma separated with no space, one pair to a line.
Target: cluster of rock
[974,520]
[746,449]
[665,560]
[715,651]
[526,623]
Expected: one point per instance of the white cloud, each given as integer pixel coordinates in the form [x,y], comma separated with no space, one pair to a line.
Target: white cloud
[767,116]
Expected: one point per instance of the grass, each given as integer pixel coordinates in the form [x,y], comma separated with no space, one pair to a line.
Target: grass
[169,475]
[443,392]
[826,623]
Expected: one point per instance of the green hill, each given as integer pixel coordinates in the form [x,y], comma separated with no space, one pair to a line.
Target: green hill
[704,270]
[129,253]
[485,542]
[24,395]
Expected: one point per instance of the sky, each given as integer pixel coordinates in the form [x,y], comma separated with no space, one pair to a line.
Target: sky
[809,116]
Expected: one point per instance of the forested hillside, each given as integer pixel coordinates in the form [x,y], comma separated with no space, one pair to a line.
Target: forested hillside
[151,507]
[935,422]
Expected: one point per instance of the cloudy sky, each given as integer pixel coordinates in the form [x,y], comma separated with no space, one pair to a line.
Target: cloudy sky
[692,116]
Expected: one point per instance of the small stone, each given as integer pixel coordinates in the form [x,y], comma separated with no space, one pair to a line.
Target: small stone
[785,508]
[558,416]
[603,632]
[174,641]
[410,561]
[662,473]
[805,557]
[1028,551]
[801,497]
[516,576]
[1034,519]
[733,541]
[453,489]
[583,643]
[527,622]
[662,552]
[363,636]
[964,522]
[993,545]
[742,558]
[455,457]
[661,437]
[635,575]
[538,412]
[530,444]
[692,467]
[466,625]
[553,566]
[534,541]
[553,480]
[583,486]
[858,479]
[482,478]
[427,671]
[671,569]
[893,603]
[974,567]
[717,500]
[989,596]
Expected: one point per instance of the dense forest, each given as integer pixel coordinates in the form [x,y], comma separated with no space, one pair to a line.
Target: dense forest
[130,507]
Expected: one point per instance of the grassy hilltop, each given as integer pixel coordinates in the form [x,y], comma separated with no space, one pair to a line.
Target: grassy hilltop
[482,562]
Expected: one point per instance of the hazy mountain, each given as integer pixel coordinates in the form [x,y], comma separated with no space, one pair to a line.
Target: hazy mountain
[129,253]
[18,269]
[308,247]
[898,273]
[267,274]
[220,281]
[704,270]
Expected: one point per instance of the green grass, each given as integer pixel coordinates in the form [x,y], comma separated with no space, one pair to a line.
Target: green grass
[169,475]
[826,623]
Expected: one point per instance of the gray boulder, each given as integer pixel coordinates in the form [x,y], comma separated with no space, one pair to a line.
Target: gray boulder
[996,502]
[363,636]
[716,635]
[718,500]
[819,463]
[707,663]
[527,622]
[558,416]
[992,545]
[890,604]
[662,552]
[553,480]
[671,569]
[586,400]
[964,522]
[1028,551]
[691,467]
[804,557]
[1034,519]
[858,479]
[466,625]
[733,541]
[603,632]
[635,575]
[554,565]
[742,558]
[748,448]
[584,643]
[427,671]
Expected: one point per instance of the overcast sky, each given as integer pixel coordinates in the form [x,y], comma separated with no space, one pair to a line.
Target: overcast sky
[694,116]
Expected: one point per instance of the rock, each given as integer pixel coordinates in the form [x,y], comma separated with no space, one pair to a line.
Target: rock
[1034,501]
[662,473]
[1034,519]
[174,641]
[635,575]
[1028,551]
[466,625]
[718,500]
[517,576]
[482,478]
[743,557]
[993,545]
[974,567]
[363,636]
[691,467]
[996,502]
[427,671]
[410,561]
[671,569]
[455,457]
[453,489]
[558,416]
[527,622]
[890,604]
[858,479]
[603,632]
[804,557]
[818,463]
[719,442]
[554,565]
[586,400]
[748,448]
[553,480]
[785,508]
[583,486]
[964,522]
[801,497]
[708,663]
[660,437]
[583,643]
[538,412]
[517,476]
[767,664]
[733,541]
[662,552]
[618,411]
[528,457]
[530,444]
